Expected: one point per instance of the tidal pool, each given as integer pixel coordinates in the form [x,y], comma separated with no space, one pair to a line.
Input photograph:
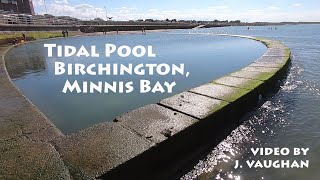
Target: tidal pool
[206,57]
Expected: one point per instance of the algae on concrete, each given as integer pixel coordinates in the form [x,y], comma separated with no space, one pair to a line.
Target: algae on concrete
[221,92]
[264,41]
[287,52]
[239,82]
[255,75]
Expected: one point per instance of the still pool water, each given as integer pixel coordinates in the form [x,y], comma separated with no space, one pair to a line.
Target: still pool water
[290,119]
[206,57]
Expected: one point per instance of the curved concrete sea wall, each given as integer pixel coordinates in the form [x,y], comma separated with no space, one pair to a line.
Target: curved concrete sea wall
[25,135]
[157,141]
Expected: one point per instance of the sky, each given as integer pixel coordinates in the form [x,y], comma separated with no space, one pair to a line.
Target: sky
[244,10]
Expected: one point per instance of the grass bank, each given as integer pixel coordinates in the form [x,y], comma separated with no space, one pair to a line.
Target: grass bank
[6,38]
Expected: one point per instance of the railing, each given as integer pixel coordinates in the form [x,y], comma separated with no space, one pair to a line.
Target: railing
[34,20]
[41,20]
[133,23]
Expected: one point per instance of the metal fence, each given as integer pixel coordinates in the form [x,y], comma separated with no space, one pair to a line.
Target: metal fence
[24,19]
[35,20]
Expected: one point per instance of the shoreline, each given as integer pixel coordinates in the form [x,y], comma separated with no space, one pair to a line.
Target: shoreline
[6,41]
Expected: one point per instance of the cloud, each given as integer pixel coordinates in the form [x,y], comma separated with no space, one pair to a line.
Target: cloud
[218,7]
[297,5]
[37,3]
[63,8]
[274,8]
[88,11]
[61,1]
[125,13]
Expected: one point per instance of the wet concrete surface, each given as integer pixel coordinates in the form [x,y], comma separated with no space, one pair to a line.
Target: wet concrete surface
[25,159]
[193,104]
[254,75]
[95,150]
[25,136]
[156,123]
[239,82]
[222,92]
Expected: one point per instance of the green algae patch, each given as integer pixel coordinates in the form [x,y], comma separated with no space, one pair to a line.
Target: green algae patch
[220,92]
[235,94]
[264,41]
[286,58]
[265,76]
[271,70]
[220,106]
[262,76]
[267,65]
[253,84]
[287,52]
[239,82]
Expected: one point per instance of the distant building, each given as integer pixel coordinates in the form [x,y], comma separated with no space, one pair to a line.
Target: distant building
[236,21]
[17,6]
[149,20]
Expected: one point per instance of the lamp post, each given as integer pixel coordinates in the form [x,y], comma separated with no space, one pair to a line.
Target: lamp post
[45,6]
[106,12]
[17,7]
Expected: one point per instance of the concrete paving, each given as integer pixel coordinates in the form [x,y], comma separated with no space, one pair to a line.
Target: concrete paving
[269,61]
[98,149]
[25,135]
[156,123]
[261,69]
[193,104]
[222,92]
[239,82]
[277,50]
[272,59]
[266,64]
[22,158]
[255,75]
